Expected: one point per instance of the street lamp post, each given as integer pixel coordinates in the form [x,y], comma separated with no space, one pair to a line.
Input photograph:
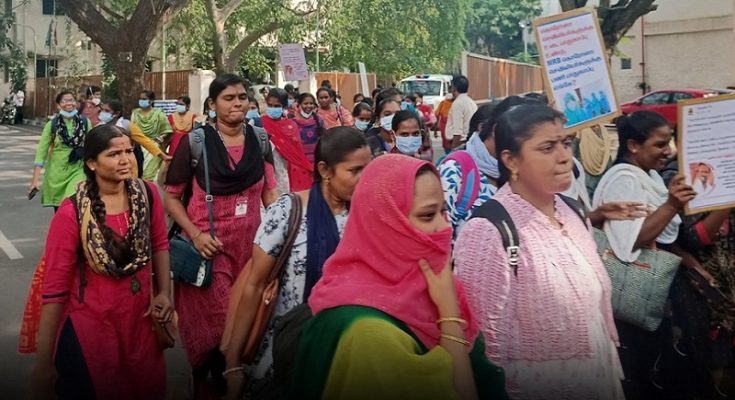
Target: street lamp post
[35,61]
[524,25]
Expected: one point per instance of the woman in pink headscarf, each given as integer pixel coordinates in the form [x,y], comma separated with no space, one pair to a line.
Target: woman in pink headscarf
[391,321]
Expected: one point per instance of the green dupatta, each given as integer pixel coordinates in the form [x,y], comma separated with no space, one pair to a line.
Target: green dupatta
[321,335]
[153,124]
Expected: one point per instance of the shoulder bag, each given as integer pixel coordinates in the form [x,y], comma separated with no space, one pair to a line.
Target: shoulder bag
[639,288]
[268,302]
[187,265]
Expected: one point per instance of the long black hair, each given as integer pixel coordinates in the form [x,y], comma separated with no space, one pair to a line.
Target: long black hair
[636,127]
[335,145]
[98,140]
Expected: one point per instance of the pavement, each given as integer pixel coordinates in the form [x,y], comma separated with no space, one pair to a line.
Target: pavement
[23,228]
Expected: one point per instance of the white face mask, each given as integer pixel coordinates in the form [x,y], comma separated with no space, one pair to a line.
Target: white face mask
[96,101]
[306,114]
[386,122]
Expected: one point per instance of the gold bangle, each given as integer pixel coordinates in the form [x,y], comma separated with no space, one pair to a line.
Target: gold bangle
[451,319]
[197,235]
[455,339]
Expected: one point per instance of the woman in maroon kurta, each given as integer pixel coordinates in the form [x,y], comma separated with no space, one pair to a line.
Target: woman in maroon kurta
[101,246]
[241,178]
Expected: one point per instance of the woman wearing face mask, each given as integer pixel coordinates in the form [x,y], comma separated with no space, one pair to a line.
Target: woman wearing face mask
[310,125]
[154,124]
[332,113]
[241,179]
[341,155]
[90,108]
[181,121]
[289,153]
[406,129]
[380,137]
[548,318]
[363,115]
[252,117]
[391,321]
[60,152]
[112,114]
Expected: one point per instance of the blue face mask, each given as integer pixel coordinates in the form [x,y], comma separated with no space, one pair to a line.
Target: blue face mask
[404,105]
[409,145]
[361,125]
[290,103]
[274,112]
[212,114]
[251,114]
[180,108]
[105,117]
[144,103]
[69,114]
[386,122]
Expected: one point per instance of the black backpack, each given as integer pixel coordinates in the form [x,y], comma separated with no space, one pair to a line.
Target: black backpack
[494,212]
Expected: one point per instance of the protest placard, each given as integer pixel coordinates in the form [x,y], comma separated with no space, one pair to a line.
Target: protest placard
[576,74]
[706,148]
[293,62]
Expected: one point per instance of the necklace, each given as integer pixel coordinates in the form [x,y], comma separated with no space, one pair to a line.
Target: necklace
[232,160]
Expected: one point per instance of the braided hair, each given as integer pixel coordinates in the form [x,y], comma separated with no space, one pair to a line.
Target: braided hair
[97,141]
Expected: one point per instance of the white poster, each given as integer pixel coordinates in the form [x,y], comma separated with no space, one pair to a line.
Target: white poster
[576,72]
[363,79]
[293,62]
[707,151]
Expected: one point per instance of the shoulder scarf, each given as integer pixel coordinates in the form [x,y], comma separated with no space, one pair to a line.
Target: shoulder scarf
[223,179]
[285,135]
[73,140]
[153,124]
[322,236]
[486,163]
[595,150]
[137,237]
[183,123]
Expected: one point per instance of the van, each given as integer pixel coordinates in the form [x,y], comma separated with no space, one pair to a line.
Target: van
[433,87]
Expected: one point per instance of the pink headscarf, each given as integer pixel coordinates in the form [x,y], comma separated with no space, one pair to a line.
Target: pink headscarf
[376,262]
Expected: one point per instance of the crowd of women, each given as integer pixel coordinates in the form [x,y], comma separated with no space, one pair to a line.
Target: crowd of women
[479,278]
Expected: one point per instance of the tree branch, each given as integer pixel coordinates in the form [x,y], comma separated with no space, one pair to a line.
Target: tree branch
[567,5]
[89,20]
[110,12]
[248,41]
[621,18]
[229,8]
[298,13]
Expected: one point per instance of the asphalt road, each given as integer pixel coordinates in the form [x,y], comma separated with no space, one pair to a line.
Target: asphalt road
[23,227]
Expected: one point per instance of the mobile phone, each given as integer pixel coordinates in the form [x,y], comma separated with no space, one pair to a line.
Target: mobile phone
[32,193]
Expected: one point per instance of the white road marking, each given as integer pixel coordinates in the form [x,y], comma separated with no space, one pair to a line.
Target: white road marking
[8,248]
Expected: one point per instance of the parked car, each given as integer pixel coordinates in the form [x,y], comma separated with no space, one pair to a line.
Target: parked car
[664,101]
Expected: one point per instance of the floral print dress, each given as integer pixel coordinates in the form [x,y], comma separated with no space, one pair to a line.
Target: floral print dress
[271,237]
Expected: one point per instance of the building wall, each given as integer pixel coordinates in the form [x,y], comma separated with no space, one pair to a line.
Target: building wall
[685,44]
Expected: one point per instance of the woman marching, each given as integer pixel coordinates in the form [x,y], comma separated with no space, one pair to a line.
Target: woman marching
[310,125]
[104,246]
[60,153]
[342,153]
[242,177]
[391,321]
[285,136]
[154,124]
[330,111]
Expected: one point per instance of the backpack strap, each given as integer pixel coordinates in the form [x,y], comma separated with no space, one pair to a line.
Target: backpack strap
[196,145]
[265,142]
[470,186]
[494,212]
[576,206]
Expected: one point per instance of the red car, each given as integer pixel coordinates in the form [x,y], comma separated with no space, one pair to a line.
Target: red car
[664,101]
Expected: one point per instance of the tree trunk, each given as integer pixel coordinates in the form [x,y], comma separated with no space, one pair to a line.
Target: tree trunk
[219,39]
[130,77]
